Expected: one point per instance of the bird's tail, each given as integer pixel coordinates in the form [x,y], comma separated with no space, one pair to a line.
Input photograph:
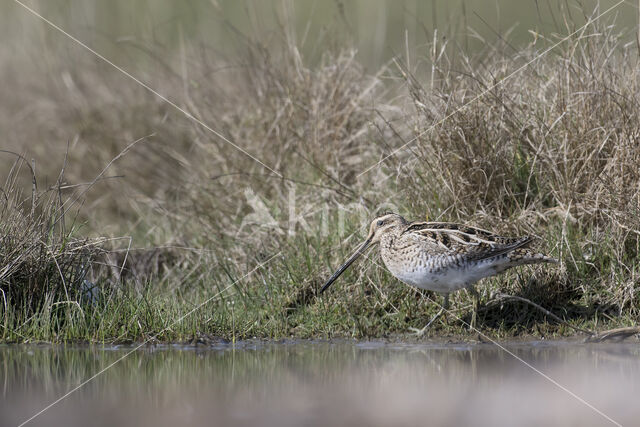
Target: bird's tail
[523,256]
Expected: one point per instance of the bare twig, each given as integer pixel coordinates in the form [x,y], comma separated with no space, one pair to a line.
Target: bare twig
[619,333]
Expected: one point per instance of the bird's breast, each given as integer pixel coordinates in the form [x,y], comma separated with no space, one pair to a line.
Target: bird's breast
[440,273]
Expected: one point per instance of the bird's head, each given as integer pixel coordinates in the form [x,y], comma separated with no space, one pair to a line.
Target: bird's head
[384,224]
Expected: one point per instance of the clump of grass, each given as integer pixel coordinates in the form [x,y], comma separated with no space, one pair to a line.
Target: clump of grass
[552,150]
[43,261]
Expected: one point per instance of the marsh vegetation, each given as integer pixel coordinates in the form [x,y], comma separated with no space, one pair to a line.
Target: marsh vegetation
[135,222]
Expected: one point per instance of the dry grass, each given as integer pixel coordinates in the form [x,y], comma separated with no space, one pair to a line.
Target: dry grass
[42,262]
[553,151]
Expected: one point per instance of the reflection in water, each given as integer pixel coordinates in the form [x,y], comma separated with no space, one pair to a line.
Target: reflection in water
[322,384]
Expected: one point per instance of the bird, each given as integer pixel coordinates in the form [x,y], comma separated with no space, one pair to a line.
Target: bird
[442,256]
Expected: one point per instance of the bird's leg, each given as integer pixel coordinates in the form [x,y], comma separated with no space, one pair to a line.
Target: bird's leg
[476,303]
[443,310]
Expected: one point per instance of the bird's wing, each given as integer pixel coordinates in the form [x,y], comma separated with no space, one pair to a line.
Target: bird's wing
[462,241]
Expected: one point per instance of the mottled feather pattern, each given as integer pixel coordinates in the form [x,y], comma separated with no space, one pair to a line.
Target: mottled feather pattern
[447,256]
[470,243]
[443,256]
[527,256]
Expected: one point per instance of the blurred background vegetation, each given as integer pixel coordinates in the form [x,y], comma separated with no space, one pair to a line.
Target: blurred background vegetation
[377,29]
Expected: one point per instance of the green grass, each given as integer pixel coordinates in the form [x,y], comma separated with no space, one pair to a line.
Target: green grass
[278,300]
[553,153]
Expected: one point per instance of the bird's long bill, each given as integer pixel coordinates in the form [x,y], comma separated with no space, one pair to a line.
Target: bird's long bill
[346,265]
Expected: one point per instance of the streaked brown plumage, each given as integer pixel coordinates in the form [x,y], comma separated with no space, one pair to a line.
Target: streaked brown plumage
[441,256]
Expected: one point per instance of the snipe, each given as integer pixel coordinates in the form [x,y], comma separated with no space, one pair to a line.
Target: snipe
[442,256]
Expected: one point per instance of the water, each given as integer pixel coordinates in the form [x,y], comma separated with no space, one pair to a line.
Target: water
[319,383]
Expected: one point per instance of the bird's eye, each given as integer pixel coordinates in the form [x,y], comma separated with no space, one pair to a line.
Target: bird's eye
[380,222]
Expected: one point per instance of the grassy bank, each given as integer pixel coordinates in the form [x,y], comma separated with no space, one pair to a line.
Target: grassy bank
[205,241]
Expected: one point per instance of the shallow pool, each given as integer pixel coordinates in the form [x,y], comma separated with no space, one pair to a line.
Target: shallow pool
[324,383]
